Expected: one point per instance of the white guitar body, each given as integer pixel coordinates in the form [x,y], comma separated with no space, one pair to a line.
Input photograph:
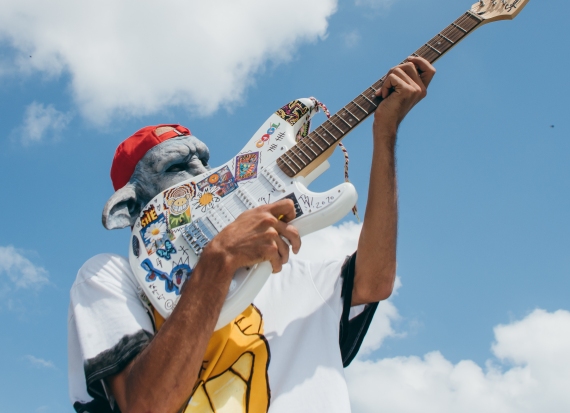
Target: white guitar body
[171,231]
[173,228]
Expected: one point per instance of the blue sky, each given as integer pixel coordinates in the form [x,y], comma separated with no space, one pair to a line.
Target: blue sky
[483,172]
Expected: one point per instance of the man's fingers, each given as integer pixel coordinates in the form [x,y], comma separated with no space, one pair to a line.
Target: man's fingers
[284,210]
[291,234]
[411,73]
[392,83]
[425,68]
[283,248]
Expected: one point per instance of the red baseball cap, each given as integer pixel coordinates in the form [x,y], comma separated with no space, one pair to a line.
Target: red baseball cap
[132,150]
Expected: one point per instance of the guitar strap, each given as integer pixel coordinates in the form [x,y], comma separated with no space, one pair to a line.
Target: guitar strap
[304,131]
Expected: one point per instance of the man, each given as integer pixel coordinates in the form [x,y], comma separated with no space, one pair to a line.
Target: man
[283,352]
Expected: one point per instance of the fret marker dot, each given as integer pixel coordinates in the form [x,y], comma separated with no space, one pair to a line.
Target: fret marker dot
[350,120]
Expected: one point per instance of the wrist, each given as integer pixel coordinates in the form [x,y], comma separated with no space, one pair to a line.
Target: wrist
[385,134]
[216,264]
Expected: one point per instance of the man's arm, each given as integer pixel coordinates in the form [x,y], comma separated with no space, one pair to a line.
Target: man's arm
[162,376]
[375,272]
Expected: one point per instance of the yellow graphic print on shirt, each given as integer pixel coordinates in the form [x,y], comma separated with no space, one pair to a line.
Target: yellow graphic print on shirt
[233,378]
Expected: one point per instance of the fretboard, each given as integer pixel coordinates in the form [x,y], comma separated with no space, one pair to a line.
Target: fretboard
[333,130]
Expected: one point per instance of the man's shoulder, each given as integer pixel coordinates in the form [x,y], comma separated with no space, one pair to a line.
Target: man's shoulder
[106,266]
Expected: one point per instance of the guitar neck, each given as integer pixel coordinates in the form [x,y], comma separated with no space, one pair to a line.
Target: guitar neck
[333,130]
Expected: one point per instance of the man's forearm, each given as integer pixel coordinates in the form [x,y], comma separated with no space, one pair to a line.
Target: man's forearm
[403,87]
[161,377]
[376,258]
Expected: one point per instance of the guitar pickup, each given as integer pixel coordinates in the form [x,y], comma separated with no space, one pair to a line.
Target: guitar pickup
[273,179]
[219,217]
[244,197]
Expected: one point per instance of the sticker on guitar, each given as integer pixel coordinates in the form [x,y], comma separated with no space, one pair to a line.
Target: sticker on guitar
[177,203]
[221,182]
[246,166]
[154,232]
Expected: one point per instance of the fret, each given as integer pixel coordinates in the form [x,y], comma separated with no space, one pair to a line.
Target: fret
[366,104]
[378,84]
[308,146]
[291,160]
[351,114]
[433,48]
[308,149]
[320,136]
[472,19]
[331,134]
[303,152]
[281,163]
[348,124]
[315,142]
[346,112]
[428,54]
[373,96]
[360,107]
[471,14]
[372,103]
[453,34]
[356,109]
[332,123]
[445,38]
[421,52]
[343,126]
[459,27]
[297,155]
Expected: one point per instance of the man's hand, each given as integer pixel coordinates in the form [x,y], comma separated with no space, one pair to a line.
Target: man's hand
[255,236]
[158,379]
[404,86]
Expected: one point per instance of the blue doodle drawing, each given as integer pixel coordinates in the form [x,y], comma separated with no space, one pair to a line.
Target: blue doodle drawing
[153,274]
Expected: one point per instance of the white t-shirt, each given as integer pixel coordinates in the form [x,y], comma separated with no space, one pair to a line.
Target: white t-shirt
[281,355]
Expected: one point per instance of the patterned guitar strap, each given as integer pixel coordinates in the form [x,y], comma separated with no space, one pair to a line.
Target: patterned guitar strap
[304,131]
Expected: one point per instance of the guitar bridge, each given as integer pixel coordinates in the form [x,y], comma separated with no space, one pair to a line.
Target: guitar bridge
[198,234]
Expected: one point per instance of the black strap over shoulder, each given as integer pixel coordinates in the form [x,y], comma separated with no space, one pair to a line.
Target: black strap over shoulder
[353,331]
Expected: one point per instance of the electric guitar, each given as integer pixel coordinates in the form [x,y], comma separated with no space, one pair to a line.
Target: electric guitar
[279,161]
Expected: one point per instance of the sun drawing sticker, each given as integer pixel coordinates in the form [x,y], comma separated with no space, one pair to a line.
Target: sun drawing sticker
[246,166]
[206,199]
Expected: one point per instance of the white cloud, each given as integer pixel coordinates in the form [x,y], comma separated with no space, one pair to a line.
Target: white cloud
[331,243]
[41,121]
[20,271]
[531,374]
[351,39]
[39,363]
[135,58]
[374,4]
[337,241]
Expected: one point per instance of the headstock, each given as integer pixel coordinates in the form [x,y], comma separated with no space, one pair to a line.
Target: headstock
[493,10]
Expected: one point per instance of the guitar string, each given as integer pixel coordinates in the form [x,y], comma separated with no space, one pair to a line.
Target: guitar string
[465,22]
[450,32]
